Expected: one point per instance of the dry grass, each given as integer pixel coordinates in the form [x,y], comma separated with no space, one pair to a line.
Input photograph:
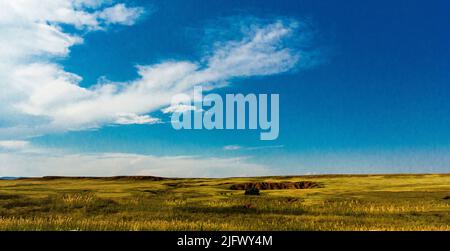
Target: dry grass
[375,202]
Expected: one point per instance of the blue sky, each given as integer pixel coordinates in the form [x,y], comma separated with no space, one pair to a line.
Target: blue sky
[369,94]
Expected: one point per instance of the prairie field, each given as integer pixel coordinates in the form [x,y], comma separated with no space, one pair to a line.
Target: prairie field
[340,202]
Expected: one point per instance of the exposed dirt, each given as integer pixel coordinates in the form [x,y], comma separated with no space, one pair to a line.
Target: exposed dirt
[276,185]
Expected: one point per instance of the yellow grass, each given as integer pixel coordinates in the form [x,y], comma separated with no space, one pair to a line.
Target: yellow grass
[345,202]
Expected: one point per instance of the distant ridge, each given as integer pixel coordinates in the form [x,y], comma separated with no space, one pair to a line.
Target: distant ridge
[9,178]
[127,178]
[279,177]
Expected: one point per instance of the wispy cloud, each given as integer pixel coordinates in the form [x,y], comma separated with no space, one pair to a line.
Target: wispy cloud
[232,148]
[31,39]
[252,148]
[27,160]
[129,119]
[13,144]
[39,96]
[24,159]
[120,14]
[178,108]
[111,164]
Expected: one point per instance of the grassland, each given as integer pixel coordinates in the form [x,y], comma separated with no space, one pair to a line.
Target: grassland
[345,202]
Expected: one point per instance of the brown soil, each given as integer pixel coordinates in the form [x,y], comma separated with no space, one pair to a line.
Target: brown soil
[276,185]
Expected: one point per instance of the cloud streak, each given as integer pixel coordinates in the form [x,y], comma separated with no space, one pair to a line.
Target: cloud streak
[40,97]
[13,144]
[112,164]
[250,148]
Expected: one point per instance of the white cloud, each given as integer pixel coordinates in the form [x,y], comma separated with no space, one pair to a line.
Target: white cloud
[112,164]
[40,162]
[129,119]
[179,108]
[31,38]
[13,144]
[252,148]
[38,96]
[120,14]
[261,52]
[232,148]
[155,87]
[80,13]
